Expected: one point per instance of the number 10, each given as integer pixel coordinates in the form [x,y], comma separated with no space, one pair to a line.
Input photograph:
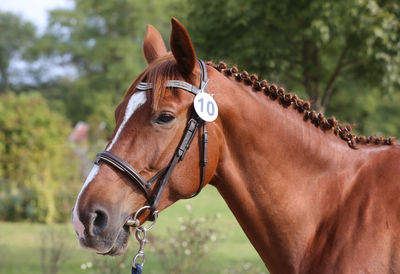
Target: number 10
[210,107]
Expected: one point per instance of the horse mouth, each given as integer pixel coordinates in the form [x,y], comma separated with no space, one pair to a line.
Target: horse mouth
[120,244]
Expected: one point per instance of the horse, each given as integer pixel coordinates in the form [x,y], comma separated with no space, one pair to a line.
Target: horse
[311,196]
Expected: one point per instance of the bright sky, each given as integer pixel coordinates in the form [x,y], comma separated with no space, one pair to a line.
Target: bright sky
[34,10]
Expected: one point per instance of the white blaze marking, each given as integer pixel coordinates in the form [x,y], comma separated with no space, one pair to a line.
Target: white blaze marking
[134,103]
[79,228]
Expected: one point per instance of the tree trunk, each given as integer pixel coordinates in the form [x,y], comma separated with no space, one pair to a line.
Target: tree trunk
[3,79]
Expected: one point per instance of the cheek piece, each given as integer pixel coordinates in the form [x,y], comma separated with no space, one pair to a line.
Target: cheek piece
[163,175]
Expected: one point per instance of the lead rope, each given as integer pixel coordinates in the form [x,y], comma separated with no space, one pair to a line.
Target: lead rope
[140,234]
[137,268]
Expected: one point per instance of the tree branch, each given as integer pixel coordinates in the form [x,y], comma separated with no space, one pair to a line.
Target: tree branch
[329,86]
[306,74]
[350,62]
[316,75]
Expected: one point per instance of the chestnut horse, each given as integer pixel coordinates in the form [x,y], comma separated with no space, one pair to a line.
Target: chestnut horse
[310,196]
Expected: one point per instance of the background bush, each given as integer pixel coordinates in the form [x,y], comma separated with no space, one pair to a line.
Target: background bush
[38,169]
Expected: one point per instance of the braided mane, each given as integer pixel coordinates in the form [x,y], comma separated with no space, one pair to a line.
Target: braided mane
[303,107]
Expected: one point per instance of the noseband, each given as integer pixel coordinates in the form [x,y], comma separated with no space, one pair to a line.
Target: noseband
[164,174]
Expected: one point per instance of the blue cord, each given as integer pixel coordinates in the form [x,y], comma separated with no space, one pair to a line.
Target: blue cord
[137,269]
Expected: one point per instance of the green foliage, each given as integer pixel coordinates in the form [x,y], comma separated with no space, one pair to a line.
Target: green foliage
[16,36]
[35,160]
[370,112]
[103,41]
[193,239]
[320,49]
[315,47]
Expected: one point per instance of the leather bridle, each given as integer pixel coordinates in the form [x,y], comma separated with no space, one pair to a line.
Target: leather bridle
[164,174]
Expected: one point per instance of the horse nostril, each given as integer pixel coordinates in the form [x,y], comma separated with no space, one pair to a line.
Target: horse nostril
[99,222]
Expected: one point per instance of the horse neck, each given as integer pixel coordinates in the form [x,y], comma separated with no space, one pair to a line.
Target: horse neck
[275,173]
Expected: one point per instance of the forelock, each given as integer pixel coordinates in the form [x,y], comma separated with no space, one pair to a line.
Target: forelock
[157,73]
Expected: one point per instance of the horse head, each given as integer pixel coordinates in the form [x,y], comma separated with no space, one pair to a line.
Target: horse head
[152,122]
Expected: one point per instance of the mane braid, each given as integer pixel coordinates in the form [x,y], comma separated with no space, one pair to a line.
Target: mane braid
[303,107]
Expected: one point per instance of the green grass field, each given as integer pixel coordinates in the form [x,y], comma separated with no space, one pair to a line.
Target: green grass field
[21,244]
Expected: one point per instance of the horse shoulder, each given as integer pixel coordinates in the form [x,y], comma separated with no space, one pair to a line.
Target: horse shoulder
[361,234]
[376,212]
[378,181]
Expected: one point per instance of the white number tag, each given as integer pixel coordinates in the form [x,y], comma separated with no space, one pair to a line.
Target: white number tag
[206,107]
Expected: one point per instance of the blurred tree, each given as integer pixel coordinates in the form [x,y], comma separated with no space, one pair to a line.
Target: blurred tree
[16,36]
[103,41]
[37,178]
[318,47]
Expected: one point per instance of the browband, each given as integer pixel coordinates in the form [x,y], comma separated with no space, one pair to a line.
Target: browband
[181,84]
[172,84]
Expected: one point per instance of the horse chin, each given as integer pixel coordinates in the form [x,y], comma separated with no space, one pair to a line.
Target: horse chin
[120,244]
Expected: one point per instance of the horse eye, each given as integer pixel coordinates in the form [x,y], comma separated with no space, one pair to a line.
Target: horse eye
[164,118]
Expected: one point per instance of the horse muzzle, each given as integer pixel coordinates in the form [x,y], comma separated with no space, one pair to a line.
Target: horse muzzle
[99,232]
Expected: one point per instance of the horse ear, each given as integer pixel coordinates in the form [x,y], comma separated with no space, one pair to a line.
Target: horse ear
[182,48]
[153,44]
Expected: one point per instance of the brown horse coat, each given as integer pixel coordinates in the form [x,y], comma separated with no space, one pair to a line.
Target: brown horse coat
[306,199]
